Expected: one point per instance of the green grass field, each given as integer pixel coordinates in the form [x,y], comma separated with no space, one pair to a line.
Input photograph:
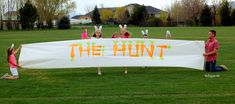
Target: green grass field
[150,86]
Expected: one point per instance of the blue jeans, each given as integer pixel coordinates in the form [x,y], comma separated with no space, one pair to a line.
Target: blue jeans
[211,67]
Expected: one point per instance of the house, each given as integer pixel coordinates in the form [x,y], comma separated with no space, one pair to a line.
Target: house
[10,20]
[81,19]
[10,15]
[152,11]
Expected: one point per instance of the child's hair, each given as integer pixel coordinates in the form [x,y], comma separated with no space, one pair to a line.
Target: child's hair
[9,52]
[97,29]
[94,35]
[213,32]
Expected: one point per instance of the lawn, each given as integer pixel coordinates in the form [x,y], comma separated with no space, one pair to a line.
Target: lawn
[141,85]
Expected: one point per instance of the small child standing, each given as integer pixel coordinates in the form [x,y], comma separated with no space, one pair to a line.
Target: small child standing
[124,34]
[168,34]
[12,63]
[144,34]
[98,35]
[84,35]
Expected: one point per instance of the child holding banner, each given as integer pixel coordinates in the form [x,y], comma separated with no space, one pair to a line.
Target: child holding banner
[114,35]
[145,33]
[12,62]
[98,35]
[211,48]
[168,34]
[124,34]
[98,32]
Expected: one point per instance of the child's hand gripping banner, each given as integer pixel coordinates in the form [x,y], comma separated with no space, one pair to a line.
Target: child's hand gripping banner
[113,53]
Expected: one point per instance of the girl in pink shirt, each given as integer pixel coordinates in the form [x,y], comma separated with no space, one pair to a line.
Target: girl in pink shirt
[84,35]
[12,63]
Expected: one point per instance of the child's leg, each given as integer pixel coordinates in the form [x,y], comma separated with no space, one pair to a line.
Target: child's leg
[216,68]
[99,71]
[212,66]
[224,67]
[11,77]
[125,72]
[14,71]
[207,67]
[219,68]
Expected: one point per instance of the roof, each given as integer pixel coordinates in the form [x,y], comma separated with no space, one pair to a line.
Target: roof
[150,9]
[78,16]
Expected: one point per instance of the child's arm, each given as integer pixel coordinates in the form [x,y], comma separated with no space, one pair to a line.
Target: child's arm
[17,49]
[15,64]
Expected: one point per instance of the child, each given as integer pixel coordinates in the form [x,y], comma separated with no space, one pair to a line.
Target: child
[145,34]
[211,53]
[115,35]
[84,35]
[124,32]
[168,34]
[12,62]
[98,32]
[98,35]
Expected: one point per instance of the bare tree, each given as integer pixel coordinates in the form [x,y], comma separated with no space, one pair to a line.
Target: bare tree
[50,10]
[88,9]
[214,9]
[1,14]
[193,9]
[177,12]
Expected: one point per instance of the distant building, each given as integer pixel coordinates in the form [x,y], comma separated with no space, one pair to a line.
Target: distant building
[10,15]
[152,11]
[81,19]
[10,20]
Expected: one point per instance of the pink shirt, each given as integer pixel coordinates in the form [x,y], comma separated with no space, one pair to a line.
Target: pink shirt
[210,46]
[12,61]
[84,35]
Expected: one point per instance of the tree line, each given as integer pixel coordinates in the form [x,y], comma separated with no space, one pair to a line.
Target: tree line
[33,13]
[199,13]
[184,12]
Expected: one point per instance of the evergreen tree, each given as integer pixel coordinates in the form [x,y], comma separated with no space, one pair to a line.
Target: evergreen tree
[169,20]
[64,23]
[127,16]
[28,15]
[233,17]
[225,13]
[139,16]
[96,16]
[206,17]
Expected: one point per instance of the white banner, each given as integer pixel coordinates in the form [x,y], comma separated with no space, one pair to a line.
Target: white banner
[113,53]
